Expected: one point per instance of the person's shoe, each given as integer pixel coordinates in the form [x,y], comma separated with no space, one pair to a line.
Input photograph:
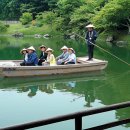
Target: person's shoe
[89,59]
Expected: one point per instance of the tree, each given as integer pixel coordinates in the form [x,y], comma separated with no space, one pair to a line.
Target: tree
[65,10]
[114,14]
[26,18]
[13,9]
[10,9]
[83,15]
[47,17]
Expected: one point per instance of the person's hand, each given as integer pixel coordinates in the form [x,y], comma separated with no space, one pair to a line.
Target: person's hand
[43,63]
[65,62]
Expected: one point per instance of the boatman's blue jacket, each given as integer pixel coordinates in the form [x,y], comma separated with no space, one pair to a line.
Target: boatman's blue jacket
[91,36]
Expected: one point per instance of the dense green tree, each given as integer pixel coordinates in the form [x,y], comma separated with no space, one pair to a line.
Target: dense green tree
[10,9]
[65,10]
[70,15]
[13,9]
[114,14]
[47,17]
[82,15]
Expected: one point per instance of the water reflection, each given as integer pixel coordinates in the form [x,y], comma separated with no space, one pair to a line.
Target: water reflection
[72,94]
[45,88]
[76,85]
[90,89]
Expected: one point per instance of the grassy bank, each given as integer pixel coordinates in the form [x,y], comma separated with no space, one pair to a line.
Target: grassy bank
[28,29]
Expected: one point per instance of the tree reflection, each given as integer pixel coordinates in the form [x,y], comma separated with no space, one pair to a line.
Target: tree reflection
[47,88]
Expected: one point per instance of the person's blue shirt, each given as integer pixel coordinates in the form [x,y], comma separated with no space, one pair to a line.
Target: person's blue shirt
[64,56]
[32,58]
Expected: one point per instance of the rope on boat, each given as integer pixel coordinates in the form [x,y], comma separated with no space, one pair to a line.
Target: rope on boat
[106,51]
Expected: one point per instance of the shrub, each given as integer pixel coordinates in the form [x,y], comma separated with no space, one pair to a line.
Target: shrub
[3,28]
[26,18]
[7,25]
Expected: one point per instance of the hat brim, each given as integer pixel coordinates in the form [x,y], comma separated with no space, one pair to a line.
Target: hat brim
[31,49]
[49,50]
[90,26]
[22,51]
[64,48]
[42,47]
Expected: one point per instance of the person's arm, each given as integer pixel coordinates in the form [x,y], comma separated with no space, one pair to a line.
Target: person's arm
[94,35]
[66,56]
[40,55]
[59,57]
[86,36]
[32,58]
[70,59]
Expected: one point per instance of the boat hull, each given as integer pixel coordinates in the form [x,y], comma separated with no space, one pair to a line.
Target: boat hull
[27,71]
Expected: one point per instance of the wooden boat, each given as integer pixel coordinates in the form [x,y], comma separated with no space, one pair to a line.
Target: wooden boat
[26,71]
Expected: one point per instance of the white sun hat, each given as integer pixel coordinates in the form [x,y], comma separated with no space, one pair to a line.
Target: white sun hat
[64,48]
[24,49]
[31,48]
[90,26]
[43,46]
[49,49]
[71,50]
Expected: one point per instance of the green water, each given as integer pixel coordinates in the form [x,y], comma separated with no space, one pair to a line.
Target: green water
[30,99]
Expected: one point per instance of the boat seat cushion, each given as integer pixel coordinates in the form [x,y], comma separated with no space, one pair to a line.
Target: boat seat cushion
[7,64]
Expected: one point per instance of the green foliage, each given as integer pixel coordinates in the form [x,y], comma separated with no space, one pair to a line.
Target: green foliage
[113,14]
[65,10]
[26,18]
[9,9]
[3,28]
[13,9]
[47,17]
[68,15]
[7,25]
[82,15]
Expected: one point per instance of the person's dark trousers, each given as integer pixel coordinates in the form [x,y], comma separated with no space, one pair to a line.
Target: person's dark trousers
[63,63]
[22,64]
[90,51]
[70,63]
[40,62]
[29,64]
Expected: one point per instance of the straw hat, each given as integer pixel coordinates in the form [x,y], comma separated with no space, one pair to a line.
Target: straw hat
[90,26]
[64,48]
[42,46]
[49,49]
[31,48]
[71,49]
[24,49]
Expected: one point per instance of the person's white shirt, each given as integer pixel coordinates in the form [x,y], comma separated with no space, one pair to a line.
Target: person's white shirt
[71,58]
[26,57]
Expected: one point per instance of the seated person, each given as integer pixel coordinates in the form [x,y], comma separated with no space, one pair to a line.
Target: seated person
[50,58]
[43,55]
[32,57]
[25,53]
[72,57]
[61,58]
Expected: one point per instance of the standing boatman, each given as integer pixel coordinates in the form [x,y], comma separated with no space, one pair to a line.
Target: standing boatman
[90,37]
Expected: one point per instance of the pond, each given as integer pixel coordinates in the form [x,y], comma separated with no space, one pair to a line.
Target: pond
[29,99]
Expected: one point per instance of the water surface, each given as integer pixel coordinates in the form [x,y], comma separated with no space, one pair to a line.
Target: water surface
[24,100]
